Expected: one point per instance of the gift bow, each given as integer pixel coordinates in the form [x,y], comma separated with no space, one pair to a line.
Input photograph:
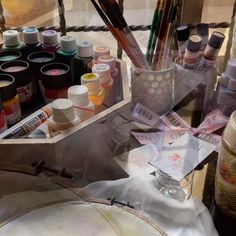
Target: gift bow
[172,126]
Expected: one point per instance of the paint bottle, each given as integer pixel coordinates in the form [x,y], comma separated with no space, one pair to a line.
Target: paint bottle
[67,51]
[37,60]
[56,80]
[104,71]
[11,41]
[27,125]
[203,31]
[31,40]
[6,56]
[83,61]
[10,99]
[182,33]
[100,51]
[225,184]
[111,61]
[84,108]
[23,79]
[192,52]
[3,120]
[95,91]
[212,50]
[63,116]
[50,41]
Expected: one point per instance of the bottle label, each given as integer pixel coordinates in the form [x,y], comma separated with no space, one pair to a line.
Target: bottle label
[25,93]
[190,59]
[13,112]
[52,94]
[225,189]
[3,123]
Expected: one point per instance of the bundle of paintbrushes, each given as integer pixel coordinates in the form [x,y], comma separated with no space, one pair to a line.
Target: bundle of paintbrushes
[112,16]
[162,28]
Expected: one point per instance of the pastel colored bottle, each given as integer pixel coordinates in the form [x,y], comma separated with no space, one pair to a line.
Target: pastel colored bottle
[31,40]
[50,41]
[83,61]
[63,116]
[84,108]
[67,51]
[104,71]
[11,41]
[95,91]
[100,51]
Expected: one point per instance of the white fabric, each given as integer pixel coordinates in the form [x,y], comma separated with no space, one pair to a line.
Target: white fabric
[190,218]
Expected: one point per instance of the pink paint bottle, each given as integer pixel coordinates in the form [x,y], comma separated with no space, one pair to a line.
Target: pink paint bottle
[56,80]
[50,41]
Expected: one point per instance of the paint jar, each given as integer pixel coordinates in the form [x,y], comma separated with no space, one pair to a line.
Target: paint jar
[50,41]
[182,33]
[63,116]
[95,91]
[192,52]
[84,108]
[83,61]
[104,71]
[36,61]
[11,41]
[3,120]
[31,40]
[56,80]
[100,51]
[67,51]
[6,56]
[23,79]
[10,99]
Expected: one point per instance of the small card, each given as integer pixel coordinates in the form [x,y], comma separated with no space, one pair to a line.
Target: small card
[182,156]
[136,162]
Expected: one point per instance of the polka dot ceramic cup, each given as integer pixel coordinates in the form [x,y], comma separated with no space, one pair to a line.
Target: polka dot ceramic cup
[153,89]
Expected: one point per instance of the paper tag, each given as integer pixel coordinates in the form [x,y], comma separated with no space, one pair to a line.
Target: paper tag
[213,121]
[143,114]
[136,162]
[211,138]
[179,158]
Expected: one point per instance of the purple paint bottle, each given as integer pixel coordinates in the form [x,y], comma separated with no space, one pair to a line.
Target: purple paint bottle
[50,41]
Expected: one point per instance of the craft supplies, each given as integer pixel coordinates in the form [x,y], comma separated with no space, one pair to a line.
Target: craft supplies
[56,79]
[3,120]
[100,51]
[10,99]
[83,61]
[203,31]
[27,125]
[225,186]
[67,51]
[23,79]
[6,56]
[95,91]
[31,40]
[84,108]
[192,52]
[63,116]
[183,34]
[50,41]
[11,41]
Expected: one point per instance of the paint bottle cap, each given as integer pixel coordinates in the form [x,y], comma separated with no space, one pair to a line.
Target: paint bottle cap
[109,60]
[231,69]
[194,43]
[11,38]
[62,110]
[50,37]
[78,94]
[230,130]
[31,35]
[203,29]
[92,82]
[182,33]
[100,50]
[85,49]
[68,43]
[216,40]
[7,87]
[104,71]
